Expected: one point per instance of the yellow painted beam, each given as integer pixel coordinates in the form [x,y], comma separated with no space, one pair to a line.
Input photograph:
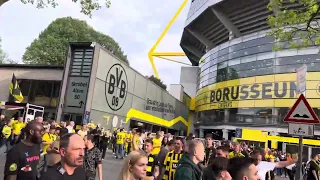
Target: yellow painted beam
[168,54]
[136,114]
[172,60]
[150,54]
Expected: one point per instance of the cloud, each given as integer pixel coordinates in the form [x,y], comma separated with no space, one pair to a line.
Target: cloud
[135,25]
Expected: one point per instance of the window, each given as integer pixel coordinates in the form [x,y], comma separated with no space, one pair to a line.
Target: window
[257,64]
[212,74]
[234,62]
[42,92]
[223,58]
[256,72]
[222,65]
[56,89]
[213,68]
[313,66]
[24,85]
[232,74]
[222,75]
[287,68]
[304,59]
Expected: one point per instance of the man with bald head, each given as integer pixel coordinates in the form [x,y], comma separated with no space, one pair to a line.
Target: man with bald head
[188,168]
[72,153]
[39,119]
[23,159]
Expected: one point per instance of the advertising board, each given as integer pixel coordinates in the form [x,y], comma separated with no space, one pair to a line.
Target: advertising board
[277,90]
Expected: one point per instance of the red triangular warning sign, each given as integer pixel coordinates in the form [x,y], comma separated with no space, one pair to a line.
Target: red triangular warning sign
[301,112]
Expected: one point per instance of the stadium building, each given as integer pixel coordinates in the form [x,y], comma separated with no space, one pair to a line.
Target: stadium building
[241,81]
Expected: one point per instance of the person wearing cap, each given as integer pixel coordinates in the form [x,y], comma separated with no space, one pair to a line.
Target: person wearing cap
[48,138]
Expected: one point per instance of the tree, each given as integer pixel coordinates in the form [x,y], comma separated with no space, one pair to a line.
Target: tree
[157,82]
[87,6]
[4,58]
[294,27]
[52,44]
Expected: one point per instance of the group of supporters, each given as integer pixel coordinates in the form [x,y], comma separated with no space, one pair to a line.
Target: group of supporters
[71,154]
[68,154]
[190,159]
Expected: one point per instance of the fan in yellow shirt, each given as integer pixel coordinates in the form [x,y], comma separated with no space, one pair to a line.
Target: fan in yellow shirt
[120,138]
[156,144]
[48,138]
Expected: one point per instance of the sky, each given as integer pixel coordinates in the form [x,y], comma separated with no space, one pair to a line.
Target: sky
[134,24]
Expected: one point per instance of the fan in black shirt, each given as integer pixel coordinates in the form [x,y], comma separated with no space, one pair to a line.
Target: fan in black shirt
[23,158]
[58,172]
[72,153]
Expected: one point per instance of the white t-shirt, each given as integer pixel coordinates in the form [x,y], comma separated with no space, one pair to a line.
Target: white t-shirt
[69,129]
[264,167]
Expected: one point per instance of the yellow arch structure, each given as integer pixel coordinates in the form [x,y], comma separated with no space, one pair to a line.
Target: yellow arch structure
[164,55]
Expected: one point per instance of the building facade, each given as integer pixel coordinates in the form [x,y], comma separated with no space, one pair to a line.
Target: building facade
[98,86]
[241,81]
[39,84]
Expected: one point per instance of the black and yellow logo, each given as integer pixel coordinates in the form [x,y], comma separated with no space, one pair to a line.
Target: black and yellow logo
[116,87]
[13,167]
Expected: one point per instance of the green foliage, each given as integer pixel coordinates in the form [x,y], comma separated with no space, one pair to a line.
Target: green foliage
[87,6]
[294,27]
[157,82]
[4,59]
[52,44]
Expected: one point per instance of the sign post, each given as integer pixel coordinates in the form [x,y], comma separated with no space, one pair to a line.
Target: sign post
[301,118]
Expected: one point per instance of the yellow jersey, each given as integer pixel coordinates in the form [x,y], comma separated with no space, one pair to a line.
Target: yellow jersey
[17,127]
[6,131]
[120,137]
[129,137]
[235,154]
[171,164]
[137,139]
[47,137]
[151,165]
[157,145]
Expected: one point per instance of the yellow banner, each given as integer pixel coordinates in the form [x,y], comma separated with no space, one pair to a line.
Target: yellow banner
[260,91]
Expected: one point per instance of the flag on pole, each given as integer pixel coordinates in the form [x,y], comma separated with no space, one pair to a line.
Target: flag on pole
[15,91]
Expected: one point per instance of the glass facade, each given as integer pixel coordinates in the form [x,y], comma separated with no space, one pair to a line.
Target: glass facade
[240,59]
[43,93]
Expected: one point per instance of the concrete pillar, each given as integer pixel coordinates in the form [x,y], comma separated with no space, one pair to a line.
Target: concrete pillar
[284,147]
[225,20]
[309,152]
[177,90]
[226,115]
[231,35]
[201,133]
[225,134]
[275,114]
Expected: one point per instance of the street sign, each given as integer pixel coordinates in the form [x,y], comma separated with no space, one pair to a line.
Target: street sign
[301,129]
[301,79]
[86,117]
[77,91]
[301,112]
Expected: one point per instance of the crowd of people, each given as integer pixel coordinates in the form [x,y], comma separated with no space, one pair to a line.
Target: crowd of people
[177,158]
[77,153]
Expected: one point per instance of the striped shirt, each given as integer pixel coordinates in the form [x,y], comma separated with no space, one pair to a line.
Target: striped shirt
[171,164]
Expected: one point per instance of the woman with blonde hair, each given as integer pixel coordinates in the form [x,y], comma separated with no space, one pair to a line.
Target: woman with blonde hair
[135,166]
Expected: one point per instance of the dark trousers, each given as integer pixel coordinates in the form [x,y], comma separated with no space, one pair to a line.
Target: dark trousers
[103,149]
[290,174]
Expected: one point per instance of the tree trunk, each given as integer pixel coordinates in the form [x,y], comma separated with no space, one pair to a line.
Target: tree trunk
[2,2]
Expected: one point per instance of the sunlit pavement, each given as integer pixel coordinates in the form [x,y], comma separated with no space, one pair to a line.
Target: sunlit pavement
[111,166]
